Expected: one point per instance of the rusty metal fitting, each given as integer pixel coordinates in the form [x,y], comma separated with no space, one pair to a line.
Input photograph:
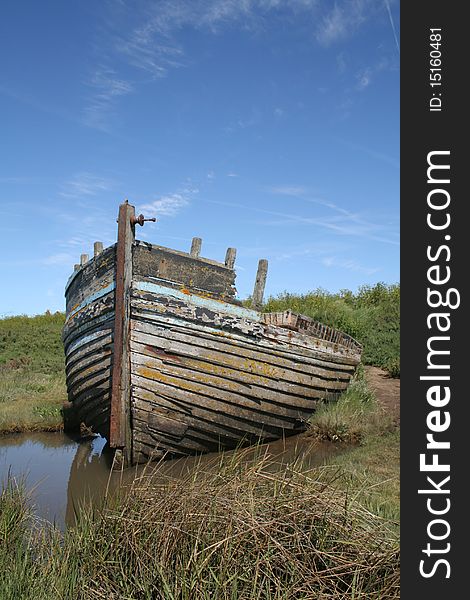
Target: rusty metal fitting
[140,220]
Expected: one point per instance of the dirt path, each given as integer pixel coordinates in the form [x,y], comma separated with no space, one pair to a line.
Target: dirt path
[386,389]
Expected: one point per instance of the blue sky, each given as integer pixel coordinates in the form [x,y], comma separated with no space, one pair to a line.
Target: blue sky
[267,125]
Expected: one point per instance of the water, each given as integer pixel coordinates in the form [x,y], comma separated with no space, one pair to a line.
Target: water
[62,472]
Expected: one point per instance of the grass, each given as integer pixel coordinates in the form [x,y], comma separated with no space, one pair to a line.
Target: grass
[372,471]
[32,379]
[371,464]
[353,416]
[241,531]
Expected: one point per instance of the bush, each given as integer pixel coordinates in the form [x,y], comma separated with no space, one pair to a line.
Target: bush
[32,342]
[371,316]
[393,367]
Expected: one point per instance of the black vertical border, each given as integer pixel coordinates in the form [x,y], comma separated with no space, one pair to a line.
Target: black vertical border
[423,131]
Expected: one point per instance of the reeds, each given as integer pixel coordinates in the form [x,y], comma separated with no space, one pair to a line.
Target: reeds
[245,530]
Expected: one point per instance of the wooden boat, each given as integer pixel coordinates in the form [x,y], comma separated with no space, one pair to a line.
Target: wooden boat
[163,360]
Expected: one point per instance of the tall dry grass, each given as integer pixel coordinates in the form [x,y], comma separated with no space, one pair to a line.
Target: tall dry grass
[242,531]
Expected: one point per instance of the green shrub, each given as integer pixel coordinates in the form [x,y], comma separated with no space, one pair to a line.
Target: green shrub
[371,316]
[34,342]
[393,367]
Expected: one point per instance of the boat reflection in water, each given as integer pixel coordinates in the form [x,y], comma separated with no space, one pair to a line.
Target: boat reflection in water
[92,479]
[64,474]
[89,478]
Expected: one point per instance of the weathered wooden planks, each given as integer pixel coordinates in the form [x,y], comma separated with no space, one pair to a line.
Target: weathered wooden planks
[88,362]
[290,320]
[88,339]
[213,378]
[193,409]
[272,339]
[189,271]
[92,277]
[251,375]
[235,356]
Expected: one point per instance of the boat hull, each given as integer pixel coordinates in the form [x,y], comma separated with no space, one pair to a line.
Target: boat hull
[162,360]
[88,338]
[205,384]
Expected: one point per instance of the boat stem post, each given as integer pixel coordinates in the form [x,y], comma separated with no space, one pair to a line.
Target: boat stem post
[258,291]
[120,436]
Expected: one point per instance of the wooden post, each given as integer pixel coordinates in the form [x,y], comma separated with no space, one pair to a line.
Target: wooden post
[83,259]
[120,435]
[97,248]
[196,247]
[260,282]
[230,257]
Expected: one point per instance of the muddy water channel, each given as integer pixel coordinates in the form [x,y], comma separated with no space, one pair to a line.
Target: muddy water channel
[61,473]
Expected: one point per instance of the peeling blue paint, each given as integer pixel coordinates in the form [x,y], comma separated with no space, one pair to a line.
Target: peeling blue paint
[91,298]
[209,303]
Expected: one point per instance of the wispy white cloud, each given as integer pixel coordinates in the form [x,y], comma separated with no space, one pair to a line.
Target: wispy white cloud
[287,190]
[244,122]
[170,204]
[74,241]
[149,40]
[143,50]
[344,18]
[394,162]
[364,79]
[304,194]
[167,206]
[151,44]
[311,250]
[392,24]
[61,258]
[345,223]
[107,88]
[348,264]
[86,184]
[365,75]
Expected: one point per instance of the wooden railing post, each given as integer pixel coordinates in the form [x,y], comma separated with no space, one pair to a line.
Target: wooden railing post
[260,283]
[97,248]
[196,246]
[230,257]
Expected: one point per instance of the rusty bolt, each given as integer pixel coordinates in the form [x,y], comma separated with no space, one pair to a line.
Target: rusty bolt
[140,220]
